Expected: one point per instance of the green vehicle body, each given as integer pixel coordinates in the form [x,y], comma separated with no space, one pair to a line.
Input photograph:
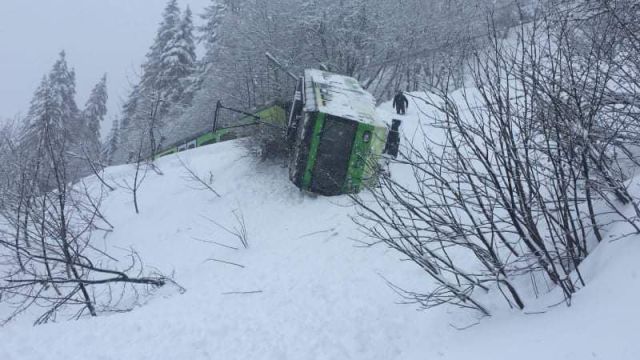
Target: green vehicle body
[362,165]
[274,114]
[335,137]
[215,137]
[336,151]
[166,152]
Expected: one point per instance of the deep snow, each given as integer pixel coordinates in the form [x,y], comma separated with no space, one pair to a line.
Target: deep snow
[315,292]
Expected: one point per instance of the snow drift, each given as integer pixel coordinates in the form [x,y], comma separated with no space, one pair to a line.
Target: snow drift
[306,288]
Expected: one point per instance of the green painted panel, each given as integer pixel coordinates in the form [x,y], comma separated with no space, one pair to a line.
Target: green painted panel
[367,148]
[167,152]
[206,139]
[313,150]
[378,142]
[273,115]
[359,157]
[211,137]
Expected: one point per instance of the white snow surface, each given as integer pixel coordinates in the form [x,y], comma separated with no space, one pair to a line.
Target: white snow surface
[321,295]
[338,95]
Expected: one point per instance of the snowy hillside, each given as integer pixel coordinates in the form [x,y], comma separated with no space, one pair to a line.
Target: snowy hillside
[306,288]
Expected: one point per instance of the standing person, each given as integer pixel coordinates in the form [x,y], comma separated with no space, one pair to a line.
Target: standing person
[400,103]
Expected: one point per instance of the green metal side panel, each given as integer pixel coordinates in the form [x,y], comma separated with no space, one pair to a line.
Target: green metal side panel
[169,151]
[364,156]
[358,159]
[206,139]
[211,137]
[274,115]
[313,150]
[378,142]
[222,132]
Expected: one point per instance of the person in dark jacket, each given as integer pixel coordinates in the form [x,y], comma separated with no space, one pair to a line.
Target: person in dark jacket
[400,103]
[392,146]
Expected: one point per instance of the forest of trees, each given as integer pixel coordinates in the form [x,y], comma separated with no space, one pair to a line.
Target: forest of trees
[386,45]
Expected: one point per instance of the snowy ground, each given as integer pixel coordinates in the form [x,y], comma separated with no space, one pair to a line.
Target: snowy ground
[316,294]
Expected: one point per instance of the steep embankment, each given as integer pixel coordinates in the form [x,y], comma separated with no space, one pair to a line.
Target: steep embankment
[306,289]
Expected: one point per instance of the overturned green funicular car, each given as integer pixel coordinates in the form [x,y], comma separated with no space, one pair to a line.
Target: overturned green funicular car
[335,138]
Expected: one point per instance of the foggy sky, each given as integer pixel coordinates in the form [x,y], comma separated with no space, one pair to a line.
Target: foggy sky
[99,36]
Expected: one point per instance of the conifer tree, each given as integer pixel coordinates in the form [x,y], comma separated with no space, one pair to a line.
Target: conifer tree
[112,141]
[93,115]
[39,123]
[150,90]
[37,117]
[53,107]
[210,31]
[125,124]
[178,62]
[53,126]
[62,81]
[151,79]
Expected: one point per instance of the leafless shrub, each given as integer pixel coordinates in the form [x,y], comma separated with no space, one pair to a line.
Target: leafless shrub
[141,168]
[47,259]
[267,142]
[527,175]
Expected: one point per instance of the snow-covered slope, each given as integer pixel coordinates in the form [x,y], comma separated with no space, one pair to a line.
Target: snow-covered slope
[306,288]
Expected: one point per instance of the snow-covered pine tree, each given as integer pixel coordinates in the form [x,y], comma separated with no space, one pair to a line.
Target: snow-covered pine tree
[168,83]
[70,128]
[128,113]
[151,79]
[93,115]
[53,127]
[111,145]
[8,156]
[178,63]
[210,31]
[140,126]
[62,81]
[38,121]
[150,89]
[209,37]
[203,85]
[53,107]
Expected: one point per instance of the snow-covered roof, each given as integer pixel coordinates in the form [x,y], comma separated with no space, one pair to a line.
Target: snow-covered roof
[338,95]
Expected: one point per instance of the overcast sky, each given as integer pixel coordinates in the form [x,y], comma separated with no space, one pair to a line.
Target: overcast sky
[99,36]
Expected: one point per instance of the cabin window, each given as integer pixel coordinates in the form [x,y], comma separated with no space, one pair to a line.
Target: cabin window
[333,155]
